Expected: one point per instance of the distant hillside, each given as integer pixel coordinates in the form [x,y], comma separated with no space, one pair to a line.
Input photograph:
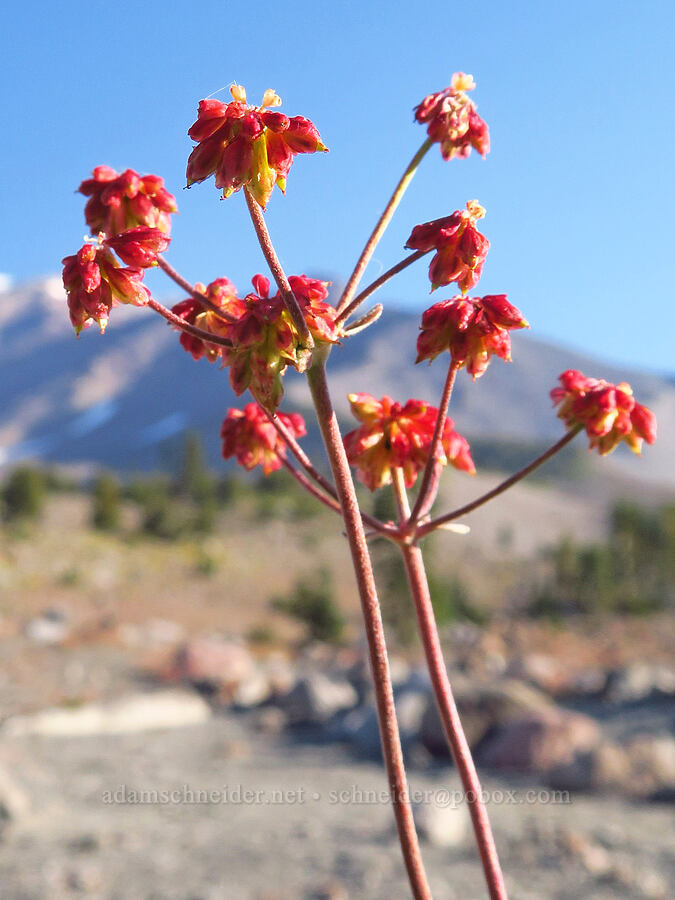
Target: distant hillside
[118,399]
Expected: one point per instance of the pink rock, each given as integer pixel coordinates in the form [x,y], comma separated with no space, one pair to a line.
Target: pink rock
[211,662]
[539,741]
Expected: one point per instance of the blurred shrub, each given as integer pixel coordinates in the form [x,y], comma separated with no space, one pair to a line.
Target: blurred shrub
[24,493]
[312,603]
[279,496]
[450,597]
[631,573]
[106,509]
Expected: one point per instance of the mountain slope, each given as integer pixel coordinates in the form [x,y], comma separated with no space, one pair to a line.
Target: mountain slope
[117,399]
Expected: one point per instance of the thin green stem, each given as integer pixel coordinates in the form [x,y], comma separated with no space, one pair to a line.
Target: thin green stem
[381,226]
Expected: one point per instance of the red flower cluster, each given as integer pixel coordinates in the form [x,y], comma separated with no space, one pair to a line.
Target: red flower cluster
[119,202]
[607,411]
[461,248]
[139,246]
[248,145]
[264,339]
[471,328]
[452,120]
[95,282]
[222,294]
[392,435]
[249,435]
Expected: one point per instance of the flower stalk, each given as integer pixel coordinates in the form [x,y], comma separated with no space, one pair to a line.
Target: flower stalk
[432,471]
[381,226]
[452,725]
[377,648]
[277,271]
[433,524]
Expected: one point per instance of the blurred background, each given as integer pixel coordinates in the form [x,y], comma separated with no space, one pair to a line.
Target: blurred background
[184,693]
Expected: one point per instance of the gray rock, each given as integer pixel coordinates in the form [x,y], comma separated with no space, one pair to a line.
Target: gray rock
[317,698]
[14,801]
[51,627]
[604,768]
[652,767]
[252,691]
[640,681]
[360,727]
[482,708]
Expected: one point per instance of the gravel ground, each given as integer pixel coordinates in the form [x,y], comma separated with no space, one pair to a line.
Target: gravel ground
[298,835]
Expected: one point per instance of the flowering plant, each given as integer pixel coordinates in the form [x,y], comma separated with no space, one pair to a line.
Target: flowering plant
[259,336]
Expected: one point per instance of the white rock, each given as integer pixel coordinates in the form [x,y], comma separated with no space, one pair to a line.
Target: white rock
[141,712]
[440,824]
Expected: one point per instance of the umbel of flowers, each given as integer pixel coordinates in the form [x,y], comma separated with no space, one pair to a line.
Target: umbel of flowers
[259,336]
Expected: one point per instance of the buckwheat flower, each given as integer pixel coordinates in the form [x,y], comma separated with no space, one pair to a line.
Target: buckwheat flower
[394,435]
[95,282]
[249,146]
[461,248]
[139,246]
[608,412]
[249,435]
[452,120]
[120,202]
[222,294]
[320,316]
[264,343]
[472,328]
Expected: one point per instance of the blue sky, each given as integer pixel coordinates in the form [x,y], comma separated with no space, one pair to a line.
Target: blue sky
[578,186]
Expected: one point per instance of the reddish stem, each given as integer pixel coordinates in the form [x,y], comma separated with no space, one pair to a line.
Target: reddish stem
[381,226]
[182,325]
[189,289]
[505,485]
[432,470]
[302,480]
[377,284]
[320,479]
[384,694]
[365,321]
[283,284]
[461,753]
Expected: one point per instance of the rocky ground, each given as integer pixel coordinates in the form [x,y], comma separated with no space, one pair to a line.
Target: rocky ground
[147,750]
[214,773]
[290,821]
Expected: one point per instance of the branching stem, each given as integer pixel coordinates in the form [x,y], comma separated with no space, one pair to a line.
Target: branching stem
[381,226]
[419,587]
[425,529]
